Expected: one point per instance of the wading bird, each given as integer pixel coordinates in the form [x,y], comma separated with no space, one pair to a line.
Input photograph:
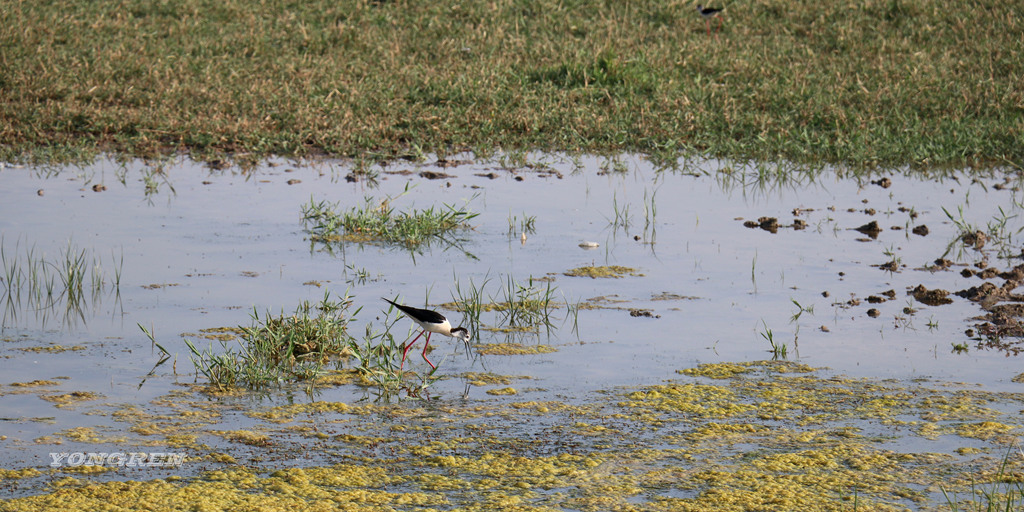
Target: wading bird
[710,12]
[431,322]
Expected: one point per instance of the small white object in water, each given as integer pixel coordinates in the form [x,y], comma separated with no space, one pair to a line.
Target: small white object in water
[590,245]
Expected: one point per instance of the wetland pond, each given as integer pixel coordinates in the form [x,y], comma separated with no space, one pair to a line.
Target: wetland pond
[647,381]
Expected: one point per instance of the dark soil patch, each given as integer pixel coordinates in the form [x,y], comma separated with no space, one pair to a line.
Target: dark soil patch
[935,297]
[870,229]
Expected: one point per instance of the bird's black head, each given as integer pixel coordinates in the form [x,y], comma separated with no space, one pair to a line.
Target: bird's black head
[461,333]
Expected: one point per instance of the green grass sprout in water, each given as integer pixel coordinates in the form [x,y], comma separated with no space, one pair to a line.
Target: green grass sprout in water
[298,348]
[863,83]
[378,363]
[65,286]
[377,222]
[276,350]
[518,307]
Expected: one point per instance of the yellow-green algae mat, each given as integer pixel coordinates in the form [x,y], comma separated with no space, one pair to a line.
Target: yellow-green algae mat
[750,436]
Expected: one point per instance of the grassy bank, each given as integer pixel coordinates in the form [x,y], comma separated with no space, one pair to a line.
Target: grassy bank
[874,83]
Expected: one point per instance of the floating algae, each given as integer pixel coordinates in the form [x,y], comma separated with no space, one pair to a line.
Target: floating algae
[747,436]
[512,349]
[612,271]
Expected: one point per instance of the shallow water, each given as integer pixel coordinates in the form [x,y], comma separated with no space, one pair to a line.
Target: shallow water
[223,243]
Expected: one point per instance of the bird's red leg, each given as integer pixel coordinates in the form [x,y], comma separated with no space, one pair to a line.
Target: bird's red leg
[707,23]
[409,346]
[425,345]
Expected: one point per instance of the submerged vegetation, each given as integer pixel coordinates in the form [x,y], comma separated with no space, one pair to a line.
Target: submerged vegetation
[864,83]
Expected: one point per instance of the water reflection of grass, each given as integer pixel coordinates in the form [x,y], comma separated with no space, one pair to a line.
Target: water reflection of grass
[65,286]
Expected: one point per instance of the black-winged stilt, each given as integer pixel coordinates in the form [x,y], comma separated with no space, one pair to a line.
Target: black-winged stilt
[431,322]
[710,12]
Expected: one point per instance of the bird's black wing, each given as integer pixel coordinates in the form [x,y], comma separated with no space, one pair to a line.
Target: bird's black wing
[423,315]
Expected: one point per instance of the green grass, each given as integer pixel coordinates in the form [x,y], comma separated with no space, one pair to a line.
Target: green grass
[778,350]
[518,307]
[877,83]
[378,361]
[287,349]
[378,222]
[276,350]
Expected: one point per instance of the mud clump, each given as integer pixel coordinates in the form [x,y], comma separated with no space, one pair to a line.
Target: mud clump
[983,293]
[870,229]
[433,175]
[936,297]
[646,313]
[921,230]
[881,297]
[1004,315]
[883,182]
[891,266]
[976,239]
[1015,275]
[769,224]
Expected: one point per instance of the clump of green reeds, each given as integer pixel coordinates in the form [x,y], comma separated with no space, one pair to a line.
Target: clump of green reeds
[518,306]
[377,221]
[527,304]
[65,285]
[279,349]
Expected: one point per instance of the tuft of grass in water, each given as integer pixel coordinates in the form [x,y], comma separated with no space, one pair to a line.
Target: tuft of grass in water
[518,307]
[621,217]
[276,350]
[1003,492]
[778,349]
[999,232]
[526,305]
[650,216]
[840,81]
[470,302]
[66,286]
[379,222]
[164,354]
[526,225]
